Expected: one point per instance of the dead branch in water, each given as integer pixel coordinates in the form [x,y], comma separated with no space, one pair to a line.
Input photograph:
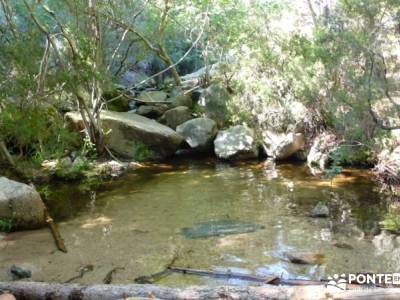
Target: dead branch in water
[109,277]
[55,232]
[241,276]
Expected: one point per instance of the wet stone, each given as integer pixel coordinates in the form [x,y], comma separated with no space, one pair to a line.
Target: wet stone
[18,272]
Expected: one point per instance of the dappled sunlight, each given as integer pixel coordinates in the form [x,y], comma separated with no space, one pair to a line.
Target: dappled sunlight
[234,241]
[92,223]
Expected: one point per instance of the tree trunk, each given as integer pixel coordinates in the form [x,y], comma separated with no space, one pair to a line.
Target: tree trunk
[167,59]
[52,291]
[6,154]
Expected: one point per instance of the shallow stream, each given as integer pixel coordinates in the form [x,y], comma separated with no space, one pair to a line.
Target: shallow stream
[135,224]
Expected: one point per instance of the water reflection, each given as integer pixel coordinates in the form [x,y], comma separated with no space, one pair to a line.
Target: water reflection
[137,222]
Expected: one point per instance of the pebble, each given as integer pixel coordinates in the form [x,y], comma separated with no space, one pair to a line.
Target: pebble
[320,211]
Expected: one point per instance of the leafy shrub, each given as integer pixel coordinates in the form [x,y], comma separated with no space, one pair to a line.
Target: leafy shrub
[6,224]
[35,132]
[391,222]
[142,152]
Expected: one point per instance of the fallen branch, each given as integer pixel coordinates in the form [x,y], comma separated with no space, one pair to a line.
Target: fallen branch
[82,271]
[109,277]
[55,232]
[52,291]
[218,274]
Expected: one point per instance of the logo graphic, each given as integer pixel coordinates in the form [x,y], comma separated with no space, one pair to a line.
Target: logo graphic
[364,279]
[338,281]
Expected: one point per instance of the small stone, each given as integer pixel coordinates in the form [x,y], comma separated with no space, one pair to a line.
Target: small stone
[342,245]
[20,272]
[320,211]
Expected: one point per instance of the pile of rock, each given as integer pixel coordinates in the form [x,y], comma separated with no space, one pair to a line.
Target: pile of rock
[194,119]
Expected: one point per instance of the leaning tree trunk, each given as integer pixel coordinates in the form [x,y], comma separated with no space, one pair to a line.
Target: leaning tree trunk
[6,154]
[53,291]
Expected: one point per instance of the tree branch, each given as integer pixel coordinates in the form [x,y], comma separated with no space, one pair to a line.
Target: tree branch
[374,116]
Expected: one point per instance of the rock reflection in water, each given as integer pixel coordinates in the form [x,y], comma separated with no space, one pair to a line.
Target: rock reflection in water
[136,222]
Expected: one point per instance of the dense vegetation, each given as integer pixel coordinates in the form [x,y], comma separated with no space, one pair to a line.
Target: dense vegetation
[89,89]
[338,58]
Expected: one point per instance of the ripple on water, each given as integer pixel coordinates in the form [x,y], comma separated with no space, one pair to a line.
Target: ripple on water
[136,223]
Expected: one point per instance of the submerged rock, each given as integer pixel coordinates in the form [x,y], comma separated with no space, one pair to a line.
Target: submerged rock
[320,211]
[21,205]
[305,258]
[219,228]
[18,272]
[342,245]
[131,133]
[237,142]
[199,133]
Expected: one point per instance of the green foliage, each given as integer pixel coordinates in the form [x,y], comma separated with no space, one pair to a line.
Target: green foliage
[35,131]
[88,150]
[325,66]
[67,170]
[352,155]
[391,222]
[142,152]
[6,224]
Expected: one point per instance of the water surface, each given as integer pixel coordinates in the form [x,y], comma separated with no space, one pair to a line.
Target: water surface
[135,223]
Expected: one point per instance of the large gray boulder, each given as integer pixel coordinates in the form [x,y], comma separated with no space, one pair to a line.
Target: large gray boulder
[237,142]
[21,205]
[282,145]
[215,101]
[319,155]
[199,133]
[176,116]
[130,133]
